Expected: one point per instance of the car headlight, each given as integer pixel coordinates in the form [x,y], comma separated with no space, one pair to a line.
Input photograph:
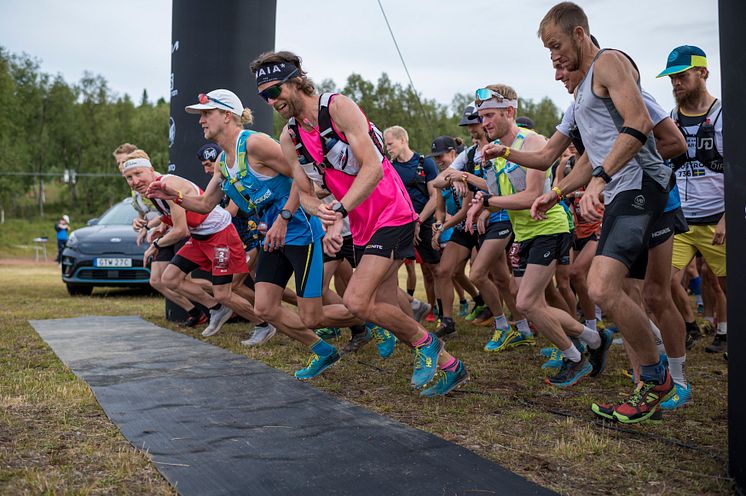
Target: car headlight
[72,241]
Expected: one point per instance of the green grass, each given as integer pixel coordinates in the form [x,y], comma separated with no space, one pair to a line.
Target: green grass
[54,438]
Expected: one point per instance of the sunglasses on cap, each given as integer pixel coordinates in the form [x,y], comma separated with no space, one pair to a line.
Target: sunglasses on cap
[483,94]
[274,91]
[203,99]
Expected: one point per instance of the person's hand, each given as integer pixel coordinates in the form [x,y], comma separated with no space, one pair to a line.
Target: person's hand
[542,204]
[492,150]
[161,190]
[417,227]
[141,235]
[460,187]
[435,240]
[139,223]
[275,238]
[472,214]
[332,240]
[326,215]
[592,205]
[484,215]
[719,237]
[150,252]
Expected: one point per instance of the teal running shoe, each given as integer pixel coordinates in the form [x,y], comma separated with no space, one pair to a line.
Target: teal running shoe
[547,352]
[475,312]
[498,341]
[447,382]
[386,342]
[463,309]
[326,333]
[681,397]
[316,365]
[570,373]
[555,359]
[426,361]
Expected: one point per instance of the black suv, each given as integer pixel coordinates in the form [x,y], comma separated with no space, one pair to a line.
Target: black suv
[105,253]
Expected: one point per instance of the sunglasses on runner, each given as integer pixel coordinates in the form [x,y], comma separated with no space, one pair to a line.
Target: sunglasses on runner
[274,91]
[203,99]
[483,94]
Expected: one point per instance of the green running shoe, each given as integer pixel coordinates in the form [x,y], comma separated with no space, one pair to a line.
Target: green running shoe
[316,365]
[386,342]
[447,382]
[426,361]
[326,333]
[475,311]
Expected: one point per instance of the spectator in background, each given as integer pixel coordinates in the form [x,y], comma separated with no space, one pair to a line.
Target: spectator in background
[63,231]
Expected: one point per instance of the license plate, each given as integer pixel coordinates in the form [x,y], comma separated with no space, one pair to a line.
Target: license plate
[113,262]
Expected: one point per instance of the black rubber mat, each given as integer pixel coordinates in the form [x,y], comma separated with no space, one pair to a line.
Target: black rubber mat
[219,423]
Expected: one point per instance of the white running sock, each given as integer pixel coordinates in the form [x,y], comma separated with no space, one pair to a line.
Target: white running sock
[599,314]
[523,328]
[590,337]
[501,322]
[658,338]
[698,299]
[722,328]
[676,368]
[572,353]
[710,319]
[591,324]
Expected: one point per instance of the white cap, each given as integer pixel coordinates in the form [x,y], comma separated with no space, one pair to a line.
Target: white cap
[66,218]
[217,99]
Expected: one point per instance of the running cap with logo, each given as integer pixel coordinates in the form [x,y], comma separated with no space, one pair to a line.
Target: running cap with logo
[134,163]
[441,145]
[470,115]
[524,122]
[217,99]
[487,98]
[209,151]
[684,58]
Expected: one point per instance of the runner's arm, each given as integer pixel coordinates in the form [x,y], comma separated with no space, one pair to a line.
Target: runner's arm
[180,228]
[353,124]
[668,139]
[461,214]
[429,207]
[578,177]
[541,159]
[266,153]
[203,204]
[616,74]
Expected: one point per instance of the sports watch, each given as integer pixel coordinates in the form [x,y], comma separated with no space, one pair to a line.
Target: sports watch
[286,214]
[339,208]
[600,172]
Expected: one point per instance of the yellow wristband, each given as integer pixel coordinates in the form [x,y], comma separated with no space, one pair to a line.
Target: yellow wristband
[179,197]
[506,152]
[558,192]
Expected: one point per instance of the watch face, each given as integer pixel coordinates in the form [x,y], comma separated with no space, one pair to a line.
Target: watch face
[286,214]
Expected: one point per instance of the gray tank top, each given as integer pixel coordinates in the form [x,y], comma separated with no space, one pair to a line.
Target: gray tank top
[599,123]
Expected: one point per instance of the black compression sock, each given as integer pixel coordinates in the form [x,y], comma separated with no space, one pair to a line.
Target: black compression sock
[216,307]
[478,300]
[194,312]
[410,292]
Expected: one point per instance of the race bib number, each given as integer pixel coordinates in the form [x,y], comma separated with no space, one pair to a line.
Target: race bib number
[222,256]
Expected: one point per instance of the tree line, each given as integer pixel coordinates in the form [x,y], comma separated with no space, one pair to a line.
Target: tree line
[48,126]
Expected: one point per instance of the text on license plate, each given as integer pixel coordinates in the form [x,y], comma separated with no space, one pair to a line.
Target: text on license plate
[113,262]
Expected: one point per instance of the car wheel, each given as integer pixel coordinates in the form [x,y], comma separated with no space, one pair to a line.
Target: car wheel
[79,290]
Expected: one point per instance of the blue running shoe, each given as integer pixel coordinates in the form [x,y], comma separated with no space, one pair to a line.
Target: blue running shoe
[426,361]
[516,339]
[447,382]
[316,365]
[555,360]
[547,352]
[570,372]
[597,357]
[681,397]
[463,309]
[499,340]
[328,332]
[386,341]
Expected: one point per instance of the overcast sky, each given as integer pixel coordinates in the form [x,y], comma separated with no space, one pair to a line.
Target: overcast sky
[449,46]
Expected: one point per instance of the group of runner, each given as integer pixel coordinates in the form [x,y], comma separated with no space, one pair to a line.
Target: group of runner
[590,218]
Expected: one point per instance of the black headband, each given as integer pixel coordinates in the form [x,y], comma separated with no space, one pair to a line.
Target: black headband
[273,72]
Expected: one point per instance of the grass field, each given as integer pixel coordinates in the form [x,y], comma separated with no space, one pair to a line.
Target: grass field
[55,439]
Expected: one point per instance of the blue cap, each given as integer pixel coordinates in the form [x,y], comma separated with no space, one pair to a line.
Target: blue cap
[684,58]
[209,151]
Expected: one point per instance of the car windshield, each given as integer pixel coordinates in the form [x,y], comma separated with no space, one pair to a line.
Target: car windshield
[120,214]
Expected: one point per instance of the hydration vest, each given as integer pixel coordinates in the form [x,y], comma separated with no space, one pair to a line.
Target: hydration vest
[243,189]
[336,150]
[705,150]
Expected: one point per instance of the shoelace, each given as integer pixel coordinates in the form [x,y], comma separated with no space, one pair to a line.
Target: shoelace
[497,335]
[641,391]
[420,359]
[313,358]
[555,355]
[381,335]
